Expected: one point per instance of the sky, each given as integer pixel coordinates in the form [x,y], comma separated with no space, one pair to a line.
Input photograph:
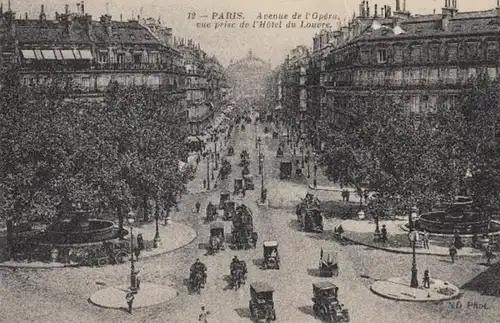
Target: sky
[270,44]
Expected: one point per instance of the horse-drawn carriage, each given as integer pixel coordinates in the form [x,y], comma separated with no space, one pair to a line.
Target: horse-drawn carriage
[285,169]
[229,209]
[242,235]
[224,196]
[238,274]
[310,220]
[217,238]
[238,185]
[248,182]
[326,304]
[211,212]
[279,152]
[225,169]
[244,154]
[261,303]
[245,170]
[271,255]
[328,265]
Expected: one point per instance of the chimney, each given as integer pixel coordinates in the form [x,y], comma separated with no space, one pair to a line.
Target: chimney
[375,12]
[121,17]
[404,5]
[382,11]
[43,16]
[361,9]
[66,9]
[389,11]
[78,8]
[398,8]
[1,8]
[25,16]
[106,22]
[83,8]
[367,9]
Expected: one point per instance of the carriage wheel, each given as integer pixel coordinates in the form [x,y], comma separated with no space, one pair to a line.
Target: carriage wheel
[103,261]
[121,257]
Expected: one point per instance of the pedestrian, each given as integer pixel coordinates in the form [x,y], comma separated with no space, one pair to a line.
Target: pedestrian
[384,233]
[343,195]
[427,279]
[453,253]
[426,240]
[243,191]
[129,297]
[204,315]
[366,196]
[347,193]
[204,183]
[198,205]
[489,255]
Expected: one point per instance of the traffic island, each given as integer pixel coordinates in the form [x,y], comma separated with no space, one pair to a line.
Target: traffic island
[149,295]
[399,289]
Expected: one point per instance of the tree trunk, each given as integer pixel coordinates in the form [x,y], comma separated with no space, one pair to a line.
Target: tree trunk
[10,238]
[157,208]
[145,207]
[120,221]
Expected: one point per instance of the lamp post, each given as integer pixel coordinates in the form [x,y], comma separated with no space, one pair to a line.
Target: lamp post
[208,171]
[315,168]
[216,159]
[133,288]
[157,239]
[413,237]
[260,161]
[262,197]
[308,167]
[256,138]
[302,151]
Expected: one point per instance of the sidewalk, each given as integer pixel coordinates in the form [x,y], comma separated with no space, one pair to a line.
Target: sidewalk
[173,236]
[361,232]
[399,289]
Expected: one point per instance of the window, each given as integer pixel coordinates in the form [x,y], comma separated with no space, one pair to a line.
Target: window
[452,52]
[415,54]
[382,56]
[398,55]
[86,83]
[433,75]
[492,73]
[472,50]
[472,73]
[120,58]
[102,57]
[153,58]
[137,58]
[492,50]
[434,53]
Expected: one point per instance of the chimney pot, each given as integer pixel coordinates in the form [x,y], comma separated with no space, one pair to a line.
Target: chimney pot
[83,8]
[398,7]
[375,11]
[66,9]
[26,15]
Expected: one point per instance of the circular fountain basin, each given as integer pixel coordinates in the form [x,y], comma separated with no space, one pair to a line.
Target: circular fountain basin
[443,222]
[95,231]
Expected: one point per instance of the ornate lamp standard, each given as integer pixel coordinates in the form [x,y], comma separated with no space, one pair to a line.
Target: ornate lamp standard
[256,139]
[413,237]
[308,157]
[315,168]
[302,151]
[259,156]
[208,171]
[157,239]
[215,138]
[262,195]
[133,288]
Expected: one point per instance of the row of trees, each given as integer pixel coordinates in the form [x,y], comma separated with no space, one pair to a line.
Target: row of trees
[416,159]
[109,157]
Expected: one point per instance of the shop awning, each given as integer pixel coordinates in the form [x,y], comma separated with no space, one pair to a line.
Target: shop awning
[86,54]
[28,54]
[58,54]
[48,54]
[38,53]
[67,54]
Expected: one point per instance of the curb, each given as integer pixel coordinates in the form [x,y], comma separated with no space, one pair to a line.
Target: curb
[394,250]
[415,300]
[61,265]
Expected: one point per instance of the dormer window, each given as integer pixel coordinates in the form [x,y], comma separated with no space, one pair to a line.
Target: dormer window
[382,56]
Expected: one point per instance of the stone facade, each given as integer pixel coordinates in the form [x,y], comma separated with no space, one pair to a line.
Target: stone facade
[422,61]
[90,54]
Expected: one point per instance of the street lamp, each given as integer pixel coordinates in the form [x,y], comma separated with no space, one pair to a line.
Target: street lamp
[157,239]
[308,169]
[208,171]
[302,151]
[260,161]
[256,139]
[262,197]
[133,288]
[216,159]
[315,170]
[413,237]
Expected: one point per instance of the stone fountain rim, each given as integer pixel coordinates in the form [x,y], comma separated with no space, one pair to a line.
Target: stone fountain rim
[80,231]
[490,234]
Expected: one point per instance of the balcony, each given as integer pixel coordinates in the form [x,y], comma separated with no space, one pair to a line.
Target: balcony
[91,66]
[405,83]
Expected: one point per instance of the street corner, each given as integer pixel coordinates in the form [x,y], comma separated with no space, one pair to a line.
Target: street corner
[399,289]
[149,295]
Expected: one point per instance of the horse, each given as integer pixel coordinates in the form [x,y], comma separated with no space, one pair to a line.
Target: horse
[197,281]
[237,278]
[214,244]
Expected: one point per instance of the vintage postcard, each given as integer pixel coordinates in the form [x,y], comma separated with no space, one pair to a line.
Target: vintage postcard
[233,161]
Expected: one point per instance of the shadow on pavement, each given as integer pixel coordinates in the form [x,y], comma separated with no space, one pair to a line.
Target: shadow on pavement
[315,272]
[486,283]
[325,235]
[307,310]
[243,312]
[294,225]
